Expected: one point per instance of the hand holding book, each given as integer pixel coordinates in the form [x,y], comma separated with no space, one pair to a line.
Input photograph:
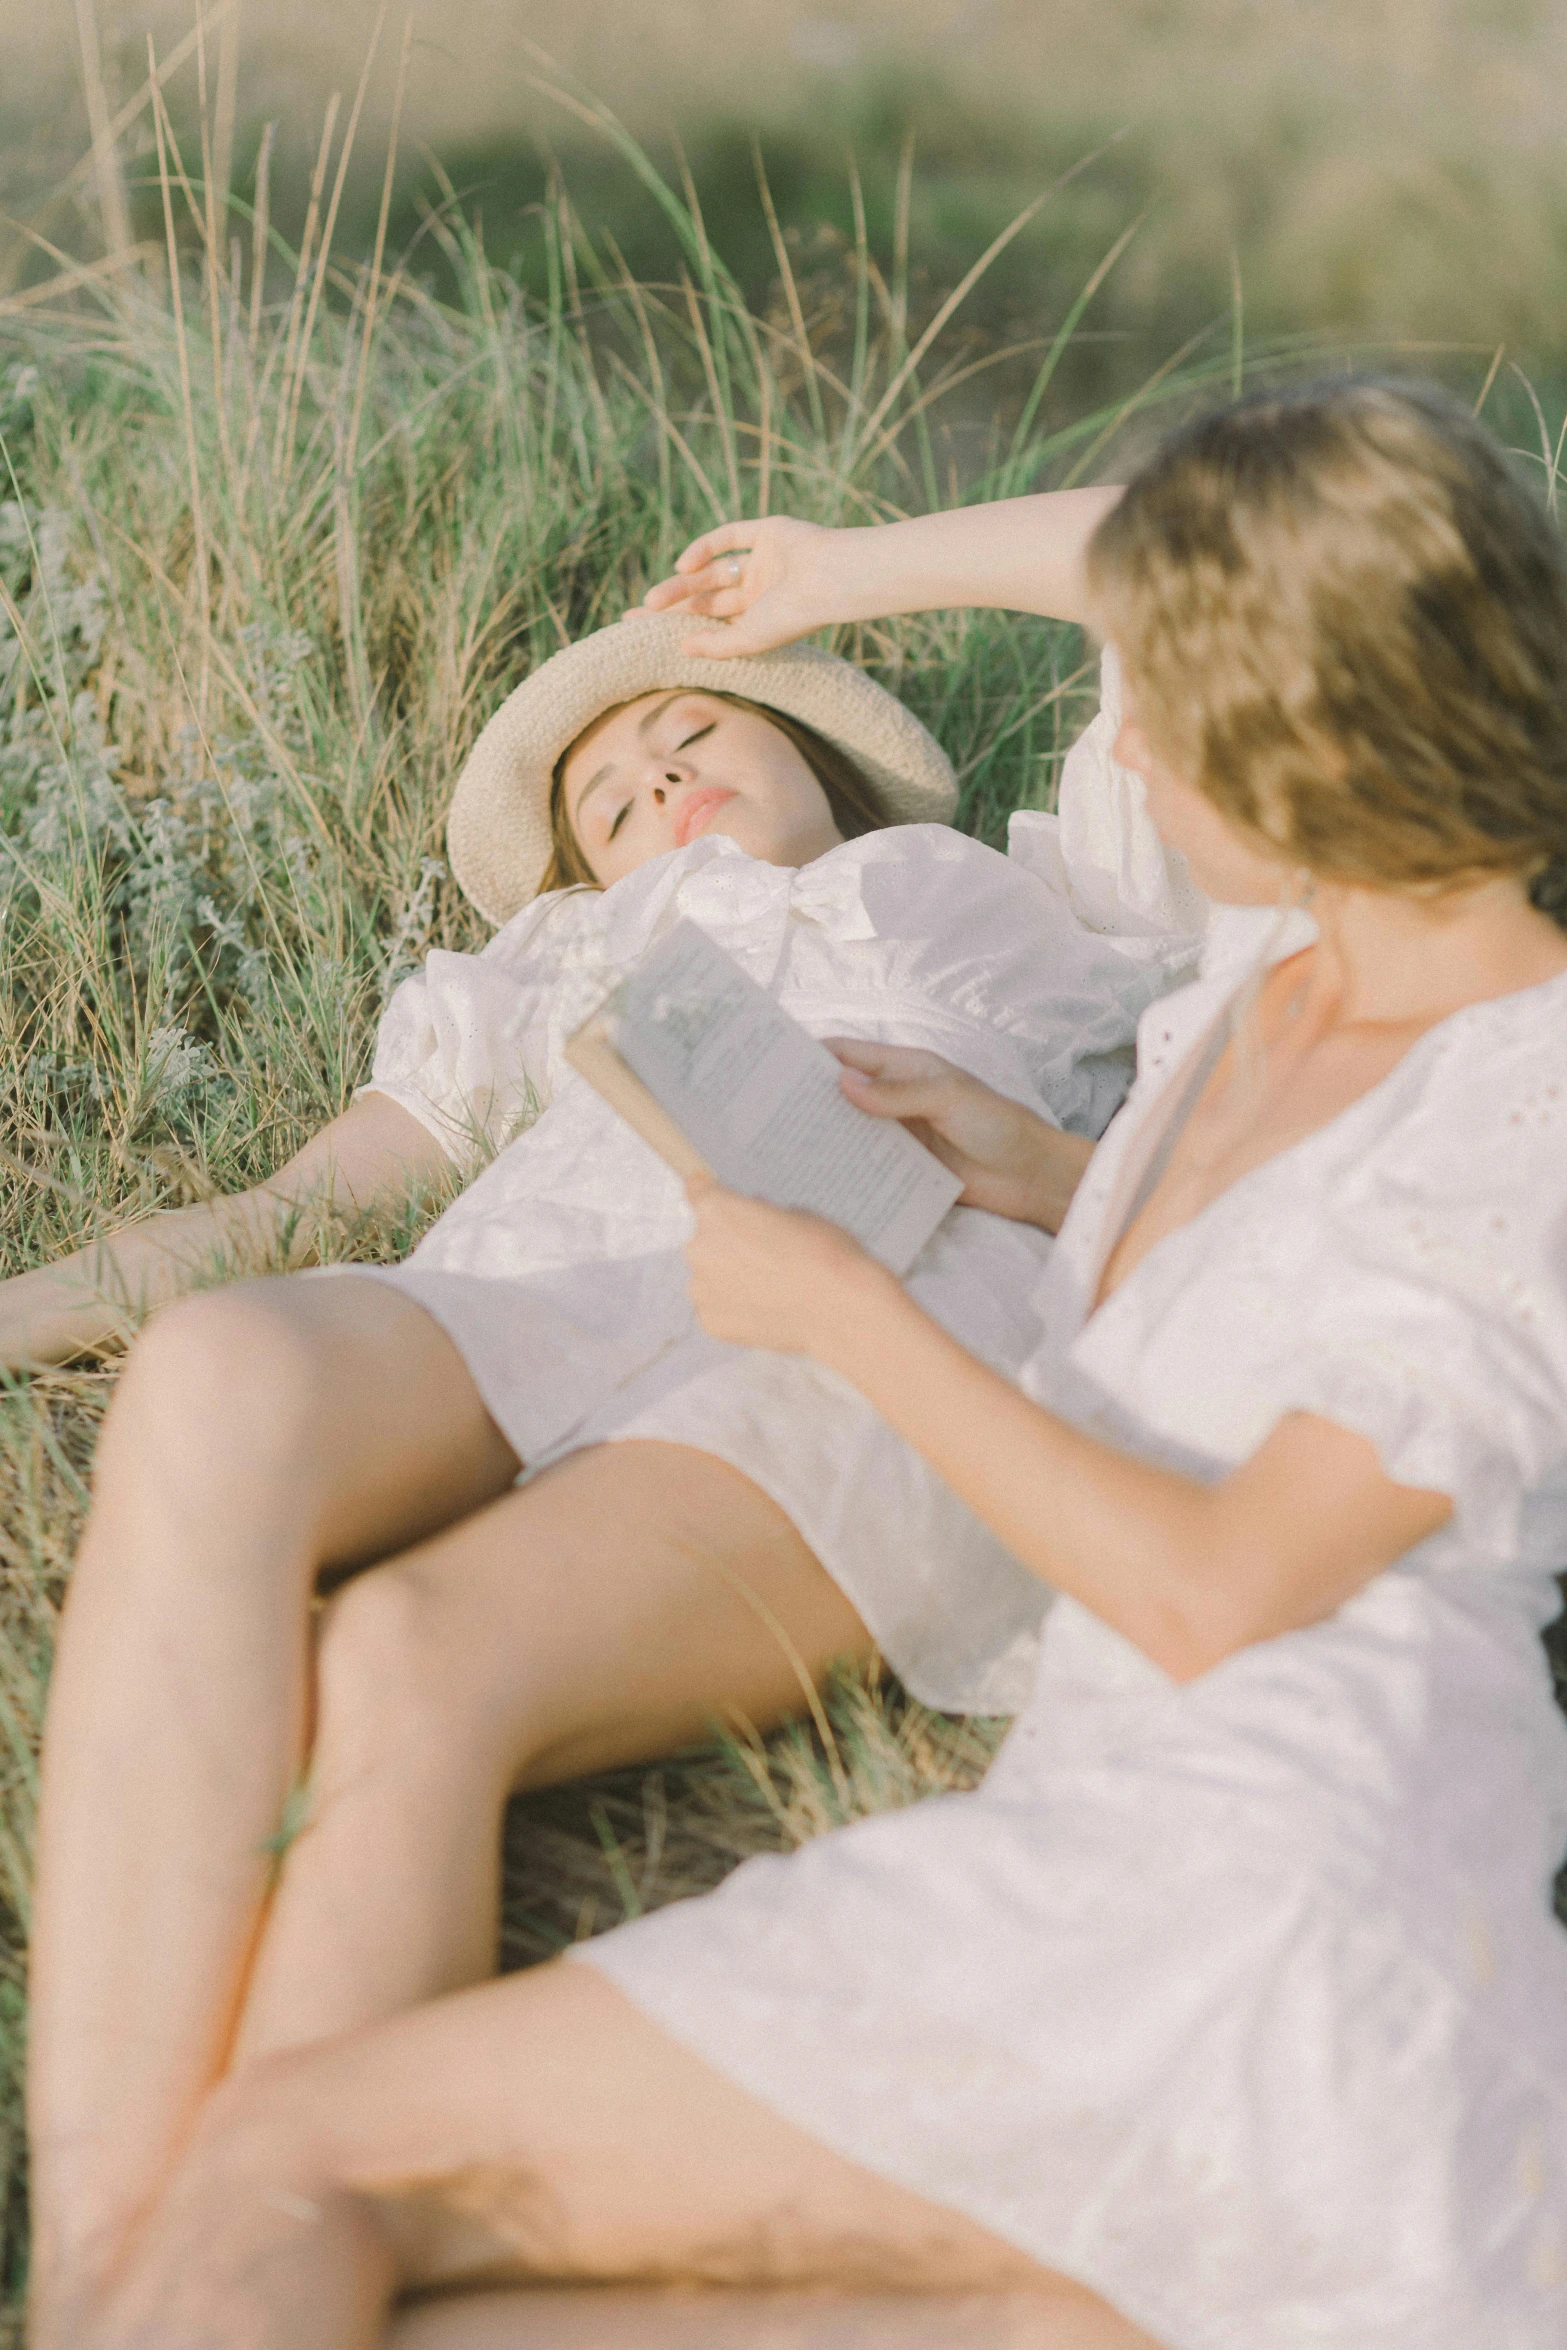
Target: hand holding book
[723,1083]
[1009,1159]
[731,1092]
[766,1276]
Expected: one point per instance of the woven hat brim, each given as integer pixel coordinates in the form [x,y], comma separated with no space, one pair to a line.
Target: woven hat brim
[498,828]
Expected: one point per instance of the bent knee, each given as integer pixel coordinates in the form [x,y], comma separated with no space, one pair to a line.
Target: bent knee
[221,1378]
[389,1663]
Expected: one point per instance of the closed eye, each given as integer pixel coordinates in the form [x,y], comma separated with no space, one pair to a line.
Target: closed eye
[689,739]
[619,821]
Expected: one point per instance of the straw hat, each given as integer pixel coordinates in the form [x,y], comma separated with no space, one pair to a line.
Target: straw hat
[498,831]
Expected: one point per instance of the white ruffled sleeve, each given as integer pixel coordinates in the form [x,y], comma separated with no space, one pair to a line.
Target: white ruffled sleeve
[1100,851]
[1460,1396]
[470,1044]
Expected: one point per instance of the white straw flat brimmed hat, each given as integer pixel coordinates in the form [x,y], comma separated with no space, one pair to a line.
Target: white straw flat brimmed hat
[498,831]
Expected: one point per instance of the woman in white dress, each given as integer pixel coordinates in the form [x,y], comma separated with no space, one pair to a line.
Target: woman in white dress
[1231,2007]
[699,1530]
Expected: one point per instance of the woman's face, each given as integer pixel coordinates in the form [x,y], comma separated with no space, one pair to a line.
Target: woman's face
[1227,864]
[656,772]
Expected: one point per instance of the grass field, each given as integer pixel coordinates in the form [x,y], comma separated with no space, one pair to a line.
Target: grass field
[272,546]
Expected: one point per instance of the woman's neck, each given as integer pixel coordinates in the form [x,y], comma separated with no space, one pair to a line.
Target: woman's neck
[1390,960]
[1314,1035]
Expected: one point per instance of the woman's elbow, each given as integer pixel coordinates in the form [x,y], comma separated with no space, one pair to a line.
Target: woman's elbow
[1209,1603]
[1185,1644]
[1225,1603]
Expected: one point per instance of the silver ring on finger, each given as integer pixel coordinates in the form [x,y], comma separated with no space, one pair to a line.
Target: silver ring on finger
[734,570]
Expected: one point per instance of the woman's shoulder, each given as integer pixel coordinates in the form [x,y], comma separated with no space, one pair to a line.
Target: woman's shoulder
[528,954]
[1431,1271]
[1467,1137]
[1440,1197]
[1506,1050]
[962,903]
[1502,1055]
[555,914]
[1100,850]
[559,926]
[949,869]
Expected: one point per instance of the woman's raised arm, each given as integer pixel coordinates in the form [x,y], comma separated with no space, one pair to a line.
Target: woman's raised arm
[372,1153]
[779,579]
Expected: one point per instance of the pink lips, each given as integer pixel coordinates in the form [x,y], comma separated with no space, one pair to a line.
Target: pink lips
[694,812]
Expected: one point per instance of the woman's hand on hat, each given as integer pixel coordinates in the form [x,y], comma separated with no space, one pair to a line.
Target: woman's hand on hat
[769,581]
[1011,1161]
[774,1277]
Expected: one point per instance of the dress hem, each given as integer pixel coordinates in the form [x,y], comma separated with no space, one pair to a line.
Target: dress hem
[972,1700]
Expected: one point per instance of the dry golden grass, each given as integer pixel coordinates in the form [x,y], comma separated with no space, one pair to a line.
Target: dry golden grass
[584,1858]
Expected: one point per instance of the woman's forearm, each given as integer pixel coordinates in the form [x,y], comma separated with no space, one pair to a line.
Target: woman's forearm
[1188,1572]
[1012,1161]
[1020,554]
[102,1292]
[1089,1521]
[771,581]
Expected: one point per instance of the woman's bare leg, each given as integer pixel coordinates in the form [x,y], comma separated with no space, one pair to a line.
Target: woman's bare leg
[652,2317]
[608,1612]
[257,1434]
[536,2127]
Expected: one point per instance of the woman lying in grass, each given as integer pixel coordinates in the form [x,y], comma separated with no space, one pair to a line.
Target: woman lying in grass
[1231,2007]
[700,1531]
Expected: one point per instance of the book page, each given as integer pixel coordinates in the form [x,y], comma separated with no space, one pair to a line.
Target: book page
[756,1099]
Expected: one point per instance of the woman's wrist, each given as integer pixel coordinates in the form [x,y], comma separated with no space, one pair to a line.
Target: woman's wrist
[860,575]
[1029,1172]
[47,1317]
[1060,1163]
[102,1292]
[860,1318]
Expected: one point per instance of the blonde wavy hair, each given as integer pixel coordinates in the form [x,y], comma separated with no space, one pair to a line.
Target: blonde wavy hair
[1345,620]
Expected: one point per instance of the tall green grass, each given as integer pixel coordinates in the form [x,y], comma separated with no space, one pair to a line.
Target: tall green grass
[278,529]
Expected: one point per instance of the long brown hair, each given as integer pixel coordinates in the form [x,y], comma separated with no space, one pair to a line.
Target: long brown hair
[1345,620]
[854,806]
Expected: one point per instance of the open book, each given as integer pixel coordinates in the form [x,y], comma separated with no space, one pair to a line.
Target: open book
[720,1081]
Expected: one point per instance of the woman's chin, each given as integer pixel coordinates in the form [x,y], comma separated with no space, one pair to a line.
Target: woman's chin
[769,844]
[755,839]
[1237,881]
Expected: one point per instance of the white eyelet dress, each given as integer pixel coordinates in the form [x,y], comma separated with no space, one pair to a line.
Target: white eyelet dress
[1243,2001]
[559,1273]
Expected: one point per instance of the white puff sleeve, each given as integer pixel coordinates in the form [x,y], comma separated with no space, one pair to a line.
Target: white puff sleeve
[1460,1394]
[1100,851]
[470,1044]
